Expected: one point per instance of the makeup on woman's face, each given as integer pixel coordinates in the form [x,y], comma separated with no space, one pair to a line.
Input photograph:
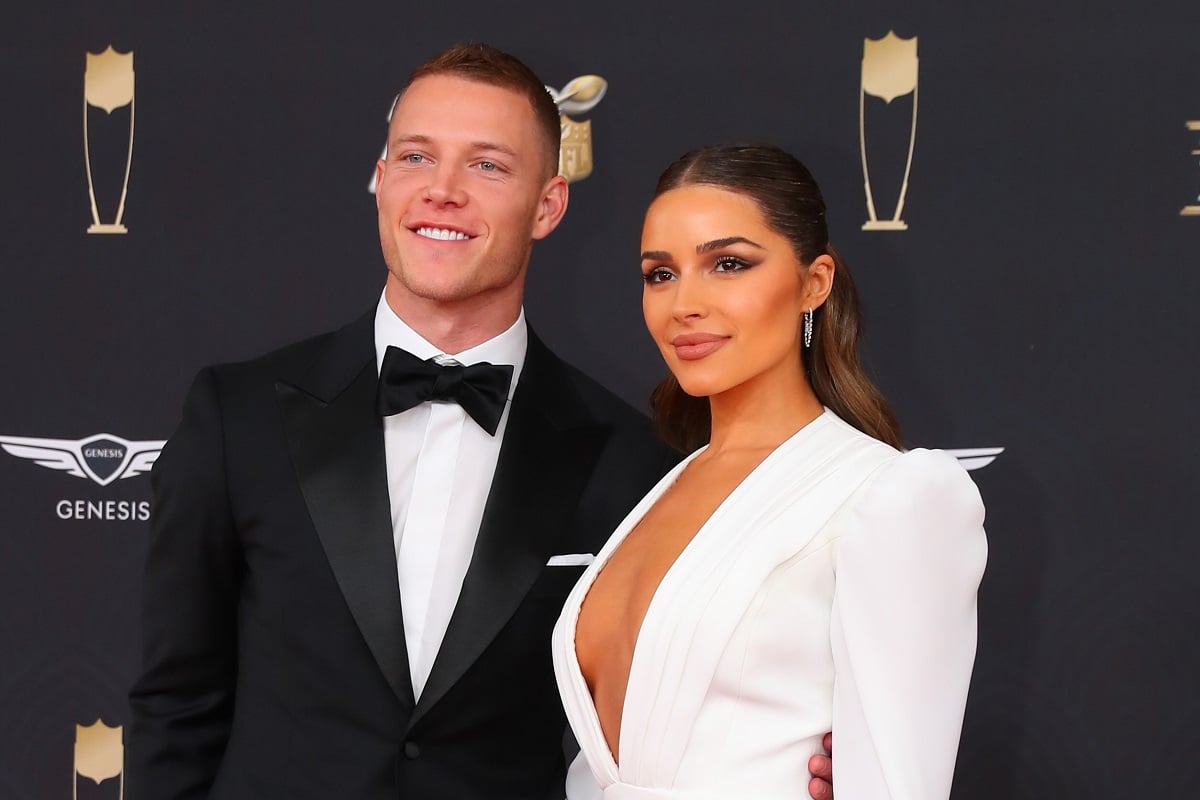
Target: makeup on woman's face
[724,292]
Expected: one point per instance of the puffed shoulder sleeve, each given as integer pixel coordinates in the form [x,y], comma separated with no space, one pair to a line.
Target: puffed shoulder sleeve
[904,627]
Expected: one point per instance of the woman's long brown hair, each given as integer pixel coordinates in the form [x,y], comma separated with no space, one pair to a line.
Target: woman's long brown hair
[792,205]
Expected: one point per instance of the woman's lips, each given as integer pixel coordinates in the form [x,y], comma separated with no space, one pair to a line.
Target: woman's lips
[693,346]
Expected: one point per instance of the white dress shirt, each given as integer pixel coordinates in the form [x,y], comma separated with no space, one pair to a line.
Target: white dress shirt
[436,453]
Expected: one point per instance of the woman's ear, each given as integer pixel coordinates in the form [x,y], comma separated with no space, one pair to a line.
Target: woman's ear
[818,281]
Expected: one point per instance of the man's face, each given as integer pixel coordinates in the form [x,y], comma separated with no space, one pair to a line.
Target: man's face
[463,192]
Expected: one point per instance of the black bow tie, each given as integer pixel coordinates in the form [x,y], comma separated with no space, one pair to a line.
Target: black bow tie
[406,381]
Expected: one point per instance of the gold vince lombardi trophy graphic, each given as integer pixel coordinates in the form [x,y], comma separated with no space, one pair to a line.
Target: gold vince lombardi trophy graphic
[1192,209]
[107,85]
[99,756]
[579,96]
[889,70]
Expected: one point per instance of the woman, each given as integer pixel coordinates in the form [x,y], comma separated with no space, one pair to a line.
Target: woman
[798,572]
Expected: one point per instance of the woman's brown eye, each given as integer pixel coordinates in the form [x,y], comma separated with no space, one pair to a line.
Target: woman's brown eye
[730,264]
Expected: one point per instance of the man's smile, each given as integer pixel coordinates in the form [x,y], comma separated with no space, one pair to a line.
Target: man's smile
[442,234]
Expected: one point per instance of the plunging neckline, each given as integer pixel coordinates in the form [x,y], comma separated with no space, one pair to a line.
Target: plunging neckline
[627,527]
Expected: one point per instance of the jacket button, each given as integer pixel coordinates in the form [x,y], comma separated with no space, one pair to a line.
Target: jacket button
[411,750]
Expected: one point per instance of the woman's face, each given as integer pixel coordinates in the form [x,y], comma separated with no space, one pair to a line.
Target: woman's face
[724,293]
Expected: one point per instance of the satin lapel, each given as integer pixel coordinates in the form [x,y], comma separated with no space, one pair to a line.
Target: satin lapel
[550,448]
[336,442]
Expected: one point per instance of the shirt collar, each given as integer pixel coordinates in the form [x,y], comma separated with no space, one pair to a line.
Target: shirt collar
[508,347]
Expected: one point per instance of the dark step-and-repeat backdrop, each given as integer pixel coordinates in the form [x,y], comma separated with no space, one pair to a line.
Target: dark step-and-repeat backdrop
[1016,185]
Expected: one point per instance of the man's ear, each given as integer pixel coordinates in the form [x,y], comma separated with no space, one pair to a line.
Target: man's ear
[379,166]
[551,207]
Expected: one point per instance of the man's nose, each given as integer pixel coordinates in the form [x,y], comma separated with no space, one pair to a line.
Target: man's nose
[445,187]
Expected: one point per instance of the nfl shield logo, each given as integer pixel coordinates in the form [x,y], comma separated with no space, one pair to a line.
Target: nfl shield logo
[99,751]
[575,157]
[108,79]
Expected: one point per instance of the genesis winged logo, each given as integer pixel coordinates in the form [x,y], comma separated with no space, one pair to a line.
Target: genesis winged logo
[976,457]
[102,458]
[1192,209]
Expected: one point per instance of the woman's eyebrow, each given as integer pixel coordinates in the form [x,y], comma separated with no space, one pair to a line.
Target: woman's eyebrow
[728,240]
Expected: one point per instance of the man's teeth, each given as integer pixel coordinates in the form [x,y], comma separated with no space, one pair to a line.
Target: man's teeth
[442,233]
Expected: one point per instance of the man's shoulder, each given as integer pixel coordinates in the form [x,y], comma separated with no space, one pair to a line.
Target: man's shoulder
[607,408]
[635,455]
[599,399]
[351,343]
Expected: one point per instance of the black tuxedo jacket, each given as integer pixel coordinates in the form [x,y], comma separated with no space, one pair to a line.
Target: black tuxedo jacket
[274,656]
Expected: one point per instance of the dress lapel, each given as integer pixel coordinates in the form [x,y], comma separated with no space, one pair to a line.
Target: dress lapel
[576,696]
[706,593]
[550,448]
[336,442]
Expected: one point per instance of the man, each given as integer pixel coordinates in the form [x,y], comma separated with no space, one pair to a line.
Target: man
[357,553]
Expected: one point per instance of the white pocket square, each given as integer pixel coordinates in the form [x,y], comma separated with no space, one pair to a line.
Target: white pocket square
[571,560]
